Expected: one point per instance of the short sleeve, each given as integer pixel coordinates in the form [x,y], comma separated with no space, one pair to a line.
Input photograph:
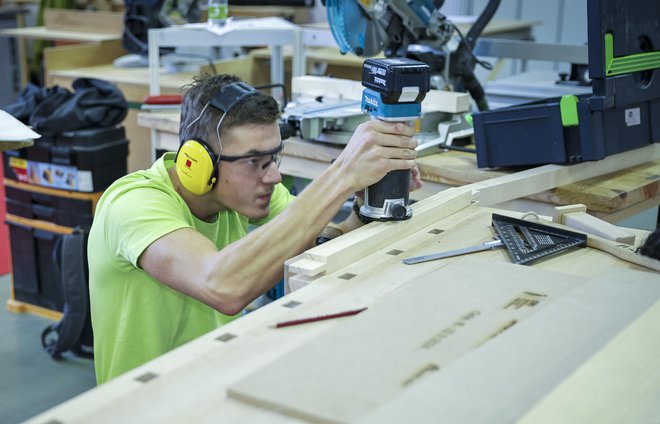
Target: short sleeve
[133,219]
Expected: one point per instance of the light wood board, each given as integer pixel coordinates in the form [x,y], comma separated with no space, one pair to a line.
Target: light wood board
[190,384]
[619,384]
[501,381]
[84,21]
[617,185]
[417,330]
[43,33]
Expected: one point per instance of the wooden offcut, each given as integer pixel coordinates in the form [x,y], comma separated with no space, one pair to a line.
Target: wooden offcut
[505,379]
[415,332]
[84,21]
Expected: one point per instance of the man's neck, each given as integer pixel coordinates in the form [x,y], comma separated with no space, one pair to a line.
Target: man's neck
[201,207]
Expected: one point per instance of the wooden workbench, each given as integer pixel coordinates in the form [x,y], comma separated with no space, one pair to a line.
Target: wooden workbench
[73,25]
[609,195]
[473,339]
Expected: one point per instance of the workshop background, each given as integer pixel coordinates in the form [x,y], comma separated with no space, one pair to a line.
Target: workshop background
[30,380]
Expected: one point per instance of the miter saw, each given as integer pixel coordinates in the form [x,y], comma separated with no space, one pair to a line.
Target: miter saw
[415,29]
[328,109]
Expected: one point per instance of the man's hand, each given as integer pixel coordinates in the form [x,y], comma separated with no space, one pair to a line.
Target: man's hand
[415,182]
[415,178]
[376,148]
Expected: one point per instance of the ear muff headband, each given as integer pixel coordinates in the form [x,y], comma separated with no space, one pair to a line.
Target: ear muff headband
[196,167]
[196,164]
[229,95]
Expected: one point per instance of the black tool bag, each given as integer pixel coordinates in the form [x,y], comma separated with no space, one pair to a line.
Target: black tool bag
[32,96]
[74,331]
[94,103]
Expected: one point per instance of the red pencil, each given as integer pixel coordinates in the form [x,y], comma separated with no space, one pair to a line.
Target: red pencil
[318,318]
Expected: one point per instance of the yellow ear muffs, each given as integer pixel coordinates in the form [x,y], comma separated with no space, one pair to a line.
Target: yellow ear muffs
[196,167]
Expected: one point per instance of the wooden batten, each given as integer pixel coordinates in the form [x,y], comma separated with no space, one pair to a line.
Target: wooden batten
[82,55]
[83,21]
[592,225]
[339,252]
[536,180]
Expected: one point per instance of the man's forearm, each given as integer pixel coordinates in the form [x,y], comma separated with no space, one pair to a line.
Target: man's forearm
[252,265]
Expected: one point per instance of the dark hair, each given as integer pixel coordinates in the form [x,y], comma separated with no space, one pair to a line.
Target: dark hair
[256,109]
[651,246]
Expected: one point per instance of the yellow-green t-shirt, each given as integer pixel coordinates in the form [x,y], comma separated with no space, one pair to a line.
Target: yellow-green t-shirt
[135,318]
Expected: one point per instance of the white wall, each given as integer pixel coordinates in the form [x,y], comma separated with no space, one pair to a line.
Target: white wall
[558,21]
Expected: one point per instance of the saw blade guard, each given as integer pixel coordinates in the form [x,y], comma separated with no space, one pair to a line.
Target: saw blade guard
[347,24]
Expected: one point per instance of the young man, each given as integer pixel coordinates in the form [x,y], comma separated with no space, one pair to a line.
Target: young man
[170,257]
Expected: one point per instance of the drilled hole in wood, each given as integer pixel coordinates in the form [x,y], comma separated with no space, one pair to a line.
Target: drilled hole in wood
[347,276]
[146,377]
[291,304]
[417,374]
[436,231]
[225,337]
[395,252]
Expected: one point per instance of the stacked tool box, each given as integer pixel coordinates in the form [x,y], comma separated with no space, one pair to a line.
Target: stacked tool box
[622,114]
[51,189]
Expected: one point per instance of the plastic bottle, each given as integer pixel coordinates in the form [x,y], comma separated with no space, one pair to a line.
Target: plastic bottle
[218,12]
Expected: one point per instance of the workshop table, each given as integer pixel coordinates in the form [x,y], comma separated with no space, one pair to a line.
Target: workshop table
[611,196]
[472,339]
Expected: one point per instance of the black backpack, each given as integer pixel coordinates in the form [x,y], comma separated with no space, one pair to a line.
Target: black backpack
[74,331]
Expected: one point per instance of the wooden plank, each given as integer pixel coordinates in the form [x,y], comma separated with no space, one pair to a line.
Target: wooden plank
[497,186]
[535,180]
[454,168]
[345,89]
[630,211]
[618,399]
[139,148]
[38,224]
[299,15]
[611,192]
[584,222]
[13,145]
[487,192]
[215,361]
[376,355]
[133,82]
[19,307]
[506,377]
[84,21]
[82,55]
[43,33]
[560,211]
[162,121]
[365,240]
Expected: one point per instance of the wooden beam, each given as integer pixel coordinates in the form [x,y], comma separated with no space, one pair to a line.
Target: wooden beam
[535,180]
[616,399]
[506,377]
[214,362]
[340,251]
[346,89]
[82,55]
[84,21]
[582,221]
[416,332]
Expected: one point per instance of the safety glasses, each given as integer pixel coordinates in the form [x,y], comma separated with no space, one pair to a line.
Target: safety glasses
[256,162]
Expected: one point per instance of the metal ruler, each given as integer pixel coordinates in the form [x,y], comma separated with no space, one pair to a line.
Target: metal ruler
[525,241]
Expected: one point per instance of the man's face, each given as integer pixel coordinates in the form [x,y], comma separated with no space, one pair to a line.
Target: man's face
[246,185]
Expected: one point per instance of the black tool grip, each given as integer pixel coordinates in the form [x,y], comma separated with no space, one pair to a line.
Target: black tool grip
[394,185]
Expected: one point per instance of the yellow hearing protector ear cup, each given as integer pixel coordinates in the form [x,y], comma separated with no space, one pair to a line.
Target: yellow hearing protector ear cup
[195,167]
